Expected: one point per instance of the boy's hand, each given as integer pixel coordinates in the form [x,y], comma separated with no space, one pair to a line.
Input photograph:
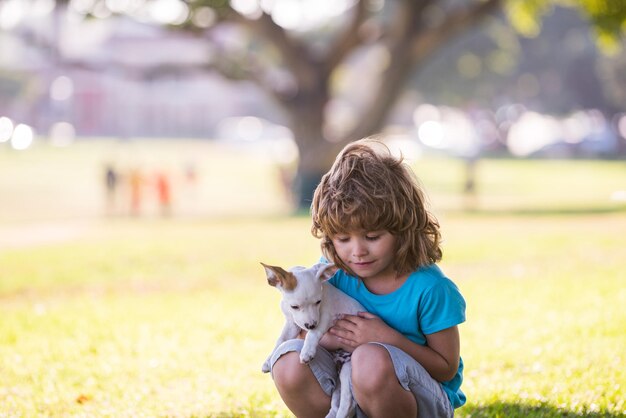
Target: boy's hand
[355,330]
[332,343]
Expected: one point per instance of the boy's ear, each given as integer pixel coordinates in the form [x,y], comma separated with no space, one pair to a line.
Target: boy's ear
[277,276]
[326,271]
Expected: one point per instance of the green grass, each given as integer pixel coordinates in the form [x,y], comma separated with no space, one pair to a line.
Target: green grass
[172,317]
[160,318]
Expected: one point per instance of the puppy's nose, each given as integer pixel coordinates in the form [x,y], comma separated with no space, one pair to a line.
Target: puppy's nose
[310,326]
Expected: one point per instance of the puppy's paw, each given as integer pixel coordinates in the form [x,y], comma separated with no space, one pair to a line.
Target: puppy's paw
[306,355]
[266,366]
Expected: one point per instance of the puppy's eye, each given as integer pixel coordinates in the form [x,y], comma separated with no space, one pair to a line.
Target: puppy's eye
[295,307]
[318,302]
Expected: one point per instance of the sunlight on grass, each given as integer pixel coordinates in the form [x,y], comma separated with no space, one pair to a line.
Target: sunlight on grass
[116,316]
[163,318]
[133,355]
[545,314]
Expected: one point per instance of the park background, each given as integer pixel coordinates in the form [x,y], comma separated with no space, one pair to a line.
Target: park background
[148,298]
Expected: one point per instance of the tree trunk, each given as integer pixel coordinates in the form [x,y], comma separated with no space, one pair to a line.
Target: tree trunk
[316,153]
[316,157]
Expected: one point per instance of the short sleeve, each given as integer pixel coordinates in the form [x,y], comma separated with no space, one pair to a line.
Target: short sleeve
[442,306]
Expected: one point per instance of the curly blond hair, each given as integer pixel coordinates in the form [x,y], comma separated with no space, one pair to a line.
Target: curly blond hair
[368,189]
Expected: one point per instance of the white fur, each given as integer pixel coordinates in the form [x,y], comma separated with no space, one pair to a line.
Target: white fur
[315,318]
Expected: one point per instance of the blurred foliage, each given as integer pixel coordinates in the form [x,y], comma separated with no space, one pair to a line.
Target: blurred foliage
[561,71]
[608,17]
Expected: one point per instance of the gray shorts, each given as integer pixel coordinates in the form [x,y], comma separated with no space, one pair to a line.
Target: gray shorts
[432,401]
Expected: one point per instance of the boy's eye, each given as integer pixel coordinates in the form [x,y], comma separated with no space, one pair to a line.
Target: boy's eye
[342,239]
[372,237]
[295,307]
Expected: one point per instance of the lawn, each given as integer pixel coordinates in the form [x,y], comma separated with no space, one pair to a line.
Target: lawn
[172,317]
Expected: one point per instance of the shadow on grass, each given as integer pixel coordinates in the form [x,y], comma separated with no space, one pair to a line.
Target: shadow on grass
[492,410]
[519,410]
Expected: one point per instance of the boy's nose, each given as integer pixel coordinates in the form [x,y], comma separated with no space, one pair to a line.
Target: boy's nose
[359,250]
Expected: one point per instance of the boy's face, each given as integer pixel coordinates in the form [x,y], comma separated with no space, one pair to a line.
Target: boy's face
[370,254]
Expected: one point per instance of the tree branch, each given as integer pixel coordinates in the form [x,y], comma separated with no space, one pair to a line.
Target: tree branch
[349,39]
[295,55]
[427,41]
[411,44]
[405,23]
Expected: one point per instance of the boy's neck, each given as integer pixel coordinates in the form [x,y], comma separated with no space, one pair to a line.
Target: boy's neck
[385,284]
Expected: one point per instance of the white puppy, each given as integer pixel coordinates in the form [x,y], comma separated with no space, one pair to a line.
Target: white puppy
[312,304]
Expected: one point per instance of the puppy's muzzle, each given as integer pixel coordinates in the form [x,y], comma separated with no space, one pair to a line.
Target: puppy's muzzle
[312,325]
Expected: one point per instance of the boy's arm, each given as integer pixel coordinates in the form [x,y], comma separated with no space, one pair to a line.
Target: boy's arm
[440,357]
[443,351]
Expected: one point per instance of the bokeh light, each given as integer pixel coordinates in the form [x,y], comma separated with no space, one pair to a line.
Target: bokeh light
[23,137]
[425,112]
[451,130]
[248,8]
[305,14]
[6,129]
[204,17]
[531,132]
[404,147]
[81,6]
[61,88]
[62,134]
[621,125]
[172,12]
[249,128]
[431,133]
[11,13]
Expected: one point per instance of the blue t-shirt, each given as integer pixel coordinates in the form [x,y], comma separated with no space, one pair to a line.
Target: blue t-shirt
[426,303]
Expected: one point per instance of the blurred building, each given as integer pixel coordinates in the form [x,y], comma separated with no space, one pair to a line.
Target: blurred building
[116,77]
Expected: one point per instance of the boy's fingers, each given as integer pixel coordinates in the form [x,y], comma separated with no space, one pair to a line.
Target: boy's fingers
[345,319]
[367,315]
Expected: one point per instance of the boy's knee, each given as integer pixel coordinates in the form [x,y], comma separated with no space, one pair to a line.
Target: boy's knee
[288,372]
[372,368]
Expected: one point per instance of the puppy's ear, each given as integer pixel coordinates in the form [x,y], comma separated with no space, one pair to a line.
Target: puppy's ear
[277,276]
[326,271]
[272,274]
